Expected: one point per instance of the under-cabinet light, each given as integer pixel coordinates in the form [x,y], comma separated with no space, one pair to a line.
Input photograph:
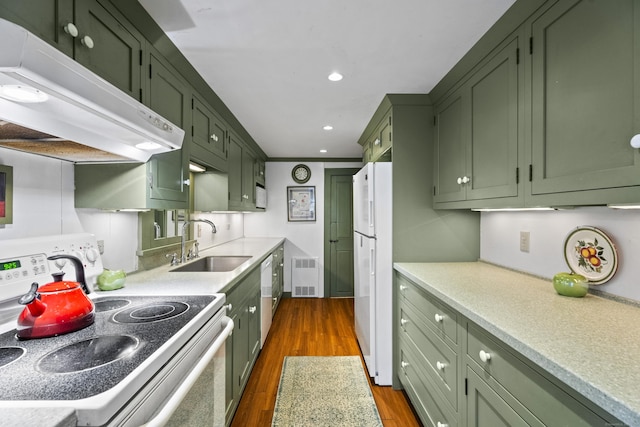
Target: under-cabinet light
[625,206]
[148,145]
[323,151]
[193,167]
[335,77]
[327,127]
[514,209]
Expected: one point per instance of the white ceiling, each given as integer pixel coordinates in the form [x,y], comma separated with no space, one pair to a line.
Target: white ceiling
[269,60]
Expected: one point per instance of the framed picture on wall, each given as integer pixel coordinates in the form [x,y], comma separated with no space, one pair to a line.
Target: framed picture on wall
[301,203]
[6,194]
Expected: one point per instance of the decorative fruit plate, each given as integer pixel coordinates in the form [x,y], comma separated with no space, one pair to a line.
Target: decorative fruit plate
[590,252]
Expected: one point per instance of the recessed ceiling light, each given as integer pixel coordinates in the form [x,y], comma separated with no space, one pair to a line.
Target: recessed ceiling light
[22,93]
[327,127]
[335,77]
[323,151]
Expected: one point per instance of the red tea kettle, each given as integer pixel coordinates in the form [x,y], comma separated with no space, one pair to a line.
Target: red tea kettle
[58,307]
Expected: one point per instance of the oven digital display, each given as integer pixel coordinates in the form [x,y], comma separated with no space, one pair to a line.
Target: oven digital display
[9,265]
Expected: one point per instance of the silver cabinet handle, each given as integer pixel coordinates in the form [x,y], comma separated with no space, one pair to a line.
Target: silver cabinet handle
[252,309]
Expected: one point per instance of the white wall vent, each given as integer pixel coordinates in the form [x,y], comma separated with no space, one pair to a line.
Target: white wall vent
[304,277]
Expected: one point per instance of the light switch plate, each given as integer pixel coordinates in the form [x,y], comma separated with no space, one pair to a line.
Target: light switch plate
[524,241]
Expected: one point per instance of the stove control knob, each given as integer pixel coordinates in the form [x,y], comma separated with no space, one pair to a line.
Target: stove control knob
[92,255]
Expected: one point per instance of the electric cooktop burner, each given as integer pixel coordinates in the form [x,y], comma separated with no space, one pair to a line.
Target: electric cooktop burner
[151,312]
[127,330]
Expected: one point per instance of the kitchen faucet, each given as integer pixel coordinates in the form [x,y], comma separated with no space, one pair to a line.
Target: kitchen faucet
[183,256]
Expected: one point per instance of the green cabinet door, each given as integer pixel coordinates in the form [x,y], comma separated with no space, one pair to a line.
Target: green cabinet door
[450,150]
[492,149]
[485,408]
[585,97]
[45,18]
[208,136]
[168,95]
[242,164]
[249,161]
[115,48]
[476,135]
[236,148]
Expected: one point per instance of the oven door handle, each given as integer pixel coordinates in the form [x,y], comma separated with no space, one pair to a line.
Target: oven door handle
[169,408]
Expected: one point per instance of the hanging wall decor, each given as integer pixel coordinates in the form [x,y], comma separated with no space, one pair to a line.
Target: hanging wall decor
[301,203]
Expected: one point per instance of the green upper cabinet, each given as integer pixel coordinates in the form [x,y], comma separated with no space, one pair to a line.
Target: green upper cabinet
[449,150]
[109,46]
[208,136]
[45,18]
[242,174]
[168,94]
[376,147]
[585,102]
[381,139]
[91,32]
[161,182]
[476,135]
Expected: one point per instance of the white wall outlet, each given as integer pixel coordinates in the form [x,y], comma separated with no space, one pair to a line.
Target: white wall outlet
[101,246]
[228,226]
[524,241]
[199,230]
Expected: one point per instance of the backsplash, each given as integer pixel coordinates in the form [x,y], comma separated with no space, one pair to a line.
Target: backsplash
[500,242]
[44,205]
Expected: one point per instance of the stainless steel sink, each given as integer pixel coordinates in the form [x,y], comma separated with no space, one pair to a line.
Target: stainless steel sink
[214,264]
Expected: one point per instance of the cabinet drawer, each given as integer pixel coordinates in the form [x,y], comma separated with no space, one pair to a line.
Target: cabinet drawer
[436,358]
[440,319]
[421,392]
[511,378]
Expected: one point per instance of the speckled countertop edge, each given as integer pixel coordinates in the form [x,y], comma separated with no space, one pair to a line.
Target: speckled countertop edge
[570,338]
[163,281]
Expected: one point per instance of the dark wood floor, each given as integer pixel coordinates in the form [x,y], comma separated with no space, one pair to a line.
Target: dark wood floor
[310,327]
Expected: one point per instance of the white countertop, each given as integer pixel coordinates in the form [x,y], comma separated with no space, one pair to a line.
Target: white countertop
[162,281]
[592,344]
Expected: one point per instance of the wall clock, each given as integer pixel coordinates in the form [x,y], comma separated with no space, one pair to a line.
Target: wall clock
[301,173]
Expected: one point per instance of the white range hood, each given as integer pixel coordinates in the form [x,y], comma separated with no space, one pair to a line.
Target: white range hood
[81,106]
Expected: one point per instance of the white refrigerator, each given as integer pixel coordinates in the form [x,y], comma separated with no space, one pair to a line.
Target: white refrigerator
[373,269]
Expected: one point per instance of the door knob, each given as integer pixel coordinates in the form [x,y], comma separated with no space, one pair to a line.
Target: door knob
[333,241]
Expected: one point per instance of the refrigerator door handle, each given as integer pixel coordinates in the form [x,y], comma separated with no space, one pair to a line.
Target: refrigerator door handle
[373,262]
[370,213]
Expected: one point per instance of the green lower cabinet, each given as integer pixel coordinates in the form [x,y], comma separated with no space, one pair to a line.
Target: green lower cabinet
[243,307]
[485,408]
[480,381]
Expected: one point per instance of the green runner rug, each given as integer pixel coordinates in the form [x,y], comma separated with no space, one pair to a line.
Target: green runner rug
[324,391]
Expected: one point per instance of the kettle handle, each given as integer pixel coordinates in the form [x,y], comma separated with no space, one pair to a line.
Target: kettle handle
[79,269]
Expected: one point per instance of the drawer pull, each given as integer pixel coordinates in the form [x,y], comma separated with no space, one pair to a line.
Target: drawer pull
[252,309]
[484,356]
[404,364]
[403,322]
[229,307]
[438,318]
[440,365]
[403,288]
[439,424]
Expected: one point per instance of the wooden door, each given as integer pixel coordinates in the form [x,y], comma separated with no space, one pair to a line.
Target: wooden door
[339,232]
